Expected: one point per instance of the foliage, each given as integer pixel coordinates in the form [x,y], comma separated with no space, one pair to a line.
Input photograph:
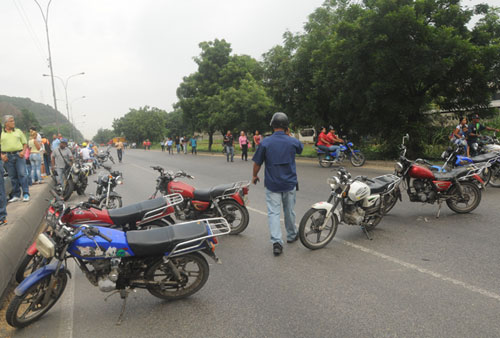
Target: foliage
[103,136]
[141,124]
[27,120]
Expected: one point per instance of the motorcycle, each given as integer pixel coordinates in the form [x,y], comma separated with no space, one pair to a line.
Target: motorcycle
[75,179]
[356,157]
[105,192]
[227,200]
[167,262]
[149,214]
[359,201]
[458,187]
[105,155]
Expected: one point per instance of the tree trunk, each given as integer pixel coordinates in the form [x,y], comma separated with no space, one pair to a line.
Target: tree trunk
[210,140]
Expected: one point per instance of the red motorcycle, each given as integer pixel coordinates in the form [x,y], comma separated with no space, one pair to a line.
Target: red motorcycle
[148,214]
[226,200]
[458,187]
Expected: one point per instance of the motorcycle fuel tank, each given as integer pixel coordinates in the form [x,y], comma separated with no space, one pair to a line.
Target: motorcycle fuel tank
[86,248]
[84,216]
[417,171]
[182,188]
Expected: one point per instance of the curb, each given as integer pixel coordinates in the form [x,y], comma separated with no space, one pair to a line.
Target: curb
[20,232]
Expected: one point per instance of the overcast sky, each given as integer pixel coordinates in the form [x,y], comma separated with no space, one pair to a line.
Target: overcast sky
[133,53]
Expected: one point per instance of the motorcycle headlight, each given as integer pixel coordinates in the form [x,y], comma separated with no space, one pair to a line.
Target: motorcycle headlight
[398,167]
[46,246]
[119,181]
[334,182]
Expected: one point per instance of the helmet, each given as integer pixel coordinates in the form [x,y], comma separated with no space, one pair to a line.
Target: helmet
[330,127]
[84,144]
[279,120]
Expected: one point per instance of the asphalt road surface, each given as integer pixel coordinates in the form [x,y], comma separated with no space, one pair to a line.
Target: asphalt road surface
[419,276]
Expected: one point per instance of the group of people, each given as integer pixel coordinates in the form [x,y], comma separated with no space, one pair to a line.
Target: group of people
[180,143]
[329,142]
[466,134]
[228,144]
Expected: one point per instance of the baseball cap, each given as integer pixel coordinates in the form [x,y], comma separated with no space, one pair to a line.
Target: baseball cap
[64,140]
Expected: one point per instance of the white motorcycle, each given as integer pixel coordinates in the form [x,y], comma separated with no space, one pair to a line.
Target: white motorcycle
[360,201]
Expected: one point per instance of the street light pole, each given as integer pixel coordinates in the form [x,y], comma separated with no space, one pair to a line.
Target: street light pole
[73,127]
[45,17]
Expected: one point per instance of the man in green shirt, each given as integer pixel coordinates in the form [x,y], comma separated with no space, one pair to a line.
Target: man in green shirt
[13,146]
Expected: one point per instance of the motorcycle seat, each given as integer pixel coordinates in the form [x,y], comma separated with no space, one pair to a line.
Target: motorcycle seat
[158,241]
[133,213]
[209,194]
[450,175]
[484,157]
[379,184]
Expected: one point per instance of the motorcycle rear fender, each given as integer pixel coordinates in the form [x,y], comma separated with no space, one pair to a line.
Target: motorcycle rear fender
[32,250]
[328,207]
[238,199]
[37,276]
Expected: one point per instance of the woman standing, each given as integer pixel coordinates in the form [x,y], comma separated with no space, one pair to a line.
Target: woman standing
[35,145]
[243,146]
[257,138]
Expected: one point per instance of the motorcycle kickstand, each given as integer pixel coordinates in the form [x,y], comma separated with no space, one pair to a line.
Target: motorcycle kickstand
[440,203]
[366,233]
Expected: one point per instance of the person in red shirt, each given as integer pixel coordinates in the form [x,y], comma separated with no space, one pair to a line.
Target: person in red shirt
[333,140]
[323,141]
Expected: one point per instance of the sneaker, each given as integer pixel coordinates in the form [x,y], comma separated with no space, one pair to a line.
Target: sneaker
[277,249]
[14,199]
[3,222]
[26,198]
[294,239]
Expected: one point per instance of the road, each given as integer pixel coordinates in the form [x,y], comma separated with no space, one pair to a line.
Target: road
[419,276]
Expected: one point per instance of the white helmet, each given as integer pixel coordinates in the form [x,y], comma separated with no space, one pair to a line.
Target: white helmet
[358,191]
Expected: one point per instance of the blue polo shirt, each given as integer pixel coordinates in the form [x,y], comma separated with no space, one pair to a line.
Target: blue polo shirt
[278,152]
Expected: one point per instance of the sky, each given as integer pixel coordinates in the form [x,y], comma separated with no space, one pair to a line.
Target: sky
[133,53]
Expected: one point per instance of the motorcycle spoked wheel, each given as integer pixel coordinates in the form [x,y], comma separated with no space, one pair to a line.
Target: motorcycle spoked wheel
[495,177]
[486,175]
[193,269]
[390,201]
[69,186]
[236,215]
[471,198]
[309,233]
[30,264]
[80,190]
[26,309]
[114,202]
[357,159]
[323,162]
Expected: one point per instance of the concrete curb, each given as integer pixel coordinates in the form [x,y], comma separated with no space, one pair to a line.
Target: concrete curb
[24,221]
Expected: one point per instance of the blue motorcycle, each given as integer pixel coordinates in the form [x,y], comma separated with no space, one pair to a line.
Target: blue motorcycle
[165,261]
[356,157]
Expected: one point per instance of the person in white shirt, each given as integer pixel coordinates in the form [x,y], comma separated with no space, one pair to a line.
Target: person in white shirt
[85,152]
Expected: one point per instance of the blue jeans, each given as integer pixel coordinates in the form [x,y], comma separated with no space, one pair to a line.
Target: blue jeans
[3,198]
[178,146]
[335,149]
[230,151]
[274,201]
[16,167]
[46,161]
[36,167]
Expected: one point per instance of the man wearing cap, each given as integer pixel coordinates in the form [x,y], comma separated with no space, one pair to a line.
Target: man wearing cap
[475,129]
[278,152]
[61,160]
[13,146]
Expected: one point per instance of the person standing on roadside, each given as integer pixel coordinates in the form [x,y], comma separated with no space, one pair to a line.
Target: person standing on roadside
[55,142]
[228,145]
[3,198]
[46,154]
[14,145]
[278,153]
[119,150]
[61,160]
[194,144]
[162,145]
[35,146]
[169,146]
[257,138]
[243,141]
[178,144]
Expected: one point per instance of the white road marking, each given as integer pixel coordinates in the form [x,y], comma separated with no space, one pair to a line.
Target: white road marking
[411,266]
[68,305]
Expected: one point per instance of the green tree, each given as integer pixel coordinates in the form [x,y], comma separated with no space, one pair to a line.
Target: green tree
[27,120]
[140,124]
[103,136]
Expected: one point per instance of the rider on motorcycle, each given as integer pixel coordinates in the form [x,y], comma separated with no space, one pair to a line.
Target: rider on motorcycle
[475,129]
[333,140]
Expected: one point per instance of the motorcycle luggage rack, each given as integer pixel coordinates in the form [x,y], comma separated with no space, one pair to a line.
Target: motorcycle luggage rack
[235,188]
[394,184]
[171,199]
[476,169]
[218,227]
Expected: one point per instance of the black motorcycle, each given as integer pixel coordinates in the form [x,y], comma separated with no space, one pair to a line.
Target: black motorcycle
[105,155]
[105,193]
[75,179]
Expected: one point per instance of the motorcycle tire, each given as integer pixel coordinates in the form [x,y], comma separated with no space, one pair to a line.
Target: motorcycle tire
[313,229]
[229,209]
[323,162]
[357,159]
[390,201]
[30,264]
[486,176]
[495,177]
[114,202]
[161,272]
[471,191]
[80,190]
[34,293]
[68,189]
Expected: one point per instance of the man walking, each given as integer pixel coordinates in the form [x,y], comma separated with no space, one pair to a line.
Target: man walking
[14,145]
[119,150]
[278,153]
[228,145]
[61,159]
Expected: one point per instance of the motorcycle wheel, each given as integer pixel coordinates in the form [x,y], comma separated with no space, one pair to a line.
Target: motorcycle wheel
[68,189]
[114,202]
[495,177]
[390,201]
[81,189]
[357,159]
[309,233]
[472,197]
[193,269]
[26,309]
[236,215]
[30,264]
[486,175]
[323,162]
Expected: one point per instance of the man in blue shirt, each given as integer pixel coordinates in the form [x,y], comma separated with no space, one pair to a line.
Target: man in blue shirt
[278,152]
